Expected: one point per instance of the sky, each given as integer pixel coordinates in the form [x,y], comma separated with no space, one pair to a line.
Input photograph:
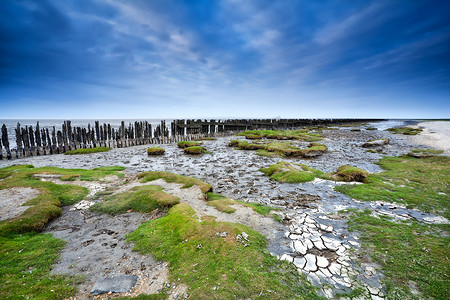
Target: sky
[215,59]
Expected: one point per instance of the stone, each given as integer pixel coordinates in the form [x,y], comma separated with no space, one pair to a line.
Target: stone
[335,268]
[300,262]
[287,257]
[325,272]
[309,244]
[295,236]
[314,279]
[319,245]
[310,263]
[309,220]
[328,292]
[373,290]
[353,243]
[322,262]
[114,284]
[341,250]
[300,247]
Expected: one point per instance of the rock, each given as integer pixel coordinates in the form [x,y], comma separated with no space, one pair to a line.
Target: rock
[300,262]
[319,245]
[335,268]
[310,263]
[322,262]
[375,143]
[114,284]
[287,257]
[300,247]
[373,290]
[325,272]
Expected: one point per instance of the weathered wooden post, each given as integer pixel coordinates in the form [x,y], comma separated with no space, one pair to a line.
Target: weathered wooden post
[5,141]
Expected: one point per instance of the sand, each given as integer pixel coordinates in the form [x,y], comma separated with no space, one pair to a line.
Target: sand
[435,134]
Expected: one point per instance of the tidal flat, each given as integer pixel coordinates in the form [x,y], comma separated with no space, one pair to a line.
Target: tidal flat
[337,245]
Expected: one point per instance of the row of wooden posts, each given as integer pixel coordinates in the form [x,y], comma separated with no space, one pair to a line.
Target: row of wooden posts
[36,141]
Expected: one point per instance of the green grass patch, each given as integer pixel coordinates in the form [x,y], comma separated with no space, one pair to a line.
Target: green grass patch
[25,264]
[410,254]
[220,202]
[405,130]
[260,208]
[141,198]
[87,150]
[195,150]
[175,178]
[347,173]
[155,151]
[302,135]
[46,206]
[291,172]
[218,266]
[279,149]
[185,144]
[110,168]
[421,153]
[420,183]
[159,296]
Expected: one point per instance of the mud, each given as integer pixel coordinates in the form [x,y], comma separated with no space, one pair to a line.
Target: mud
[318,243]
[12,200]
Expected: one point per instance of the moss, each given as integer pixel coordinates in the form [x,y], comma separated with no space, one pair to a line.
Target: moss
[405,130]
[422,153]
[155,151]
[195,150]
[371,128]
[204,253]
[142,199]
[185,144]
[87,151]
[355,129]
[170,177]
[110,168]
[291,172]
[420,183]
[375,143]
[301,134]
[347,173]
[220,202]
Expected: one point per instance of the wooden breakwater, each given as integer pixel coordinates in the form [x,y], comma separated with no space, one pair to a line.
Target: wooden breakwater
[36,141]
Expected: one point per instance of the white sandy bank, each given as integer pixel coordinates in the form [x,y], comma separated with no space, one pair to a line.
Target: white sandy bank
[435,134]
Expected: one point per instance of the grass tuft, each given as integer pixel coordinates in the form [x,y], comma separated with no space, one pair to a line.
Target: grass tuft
[185,144]
[405,130]
[87,150]
[175,178]
[141,198]
[155,151]
[291,172]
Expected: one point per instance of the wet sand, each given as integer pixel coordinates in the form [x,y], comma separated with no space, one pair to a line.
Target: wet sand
[435,134]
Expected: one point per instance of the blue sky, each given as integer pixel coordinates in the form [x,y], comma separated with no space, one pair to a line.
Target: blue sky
[228,58]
